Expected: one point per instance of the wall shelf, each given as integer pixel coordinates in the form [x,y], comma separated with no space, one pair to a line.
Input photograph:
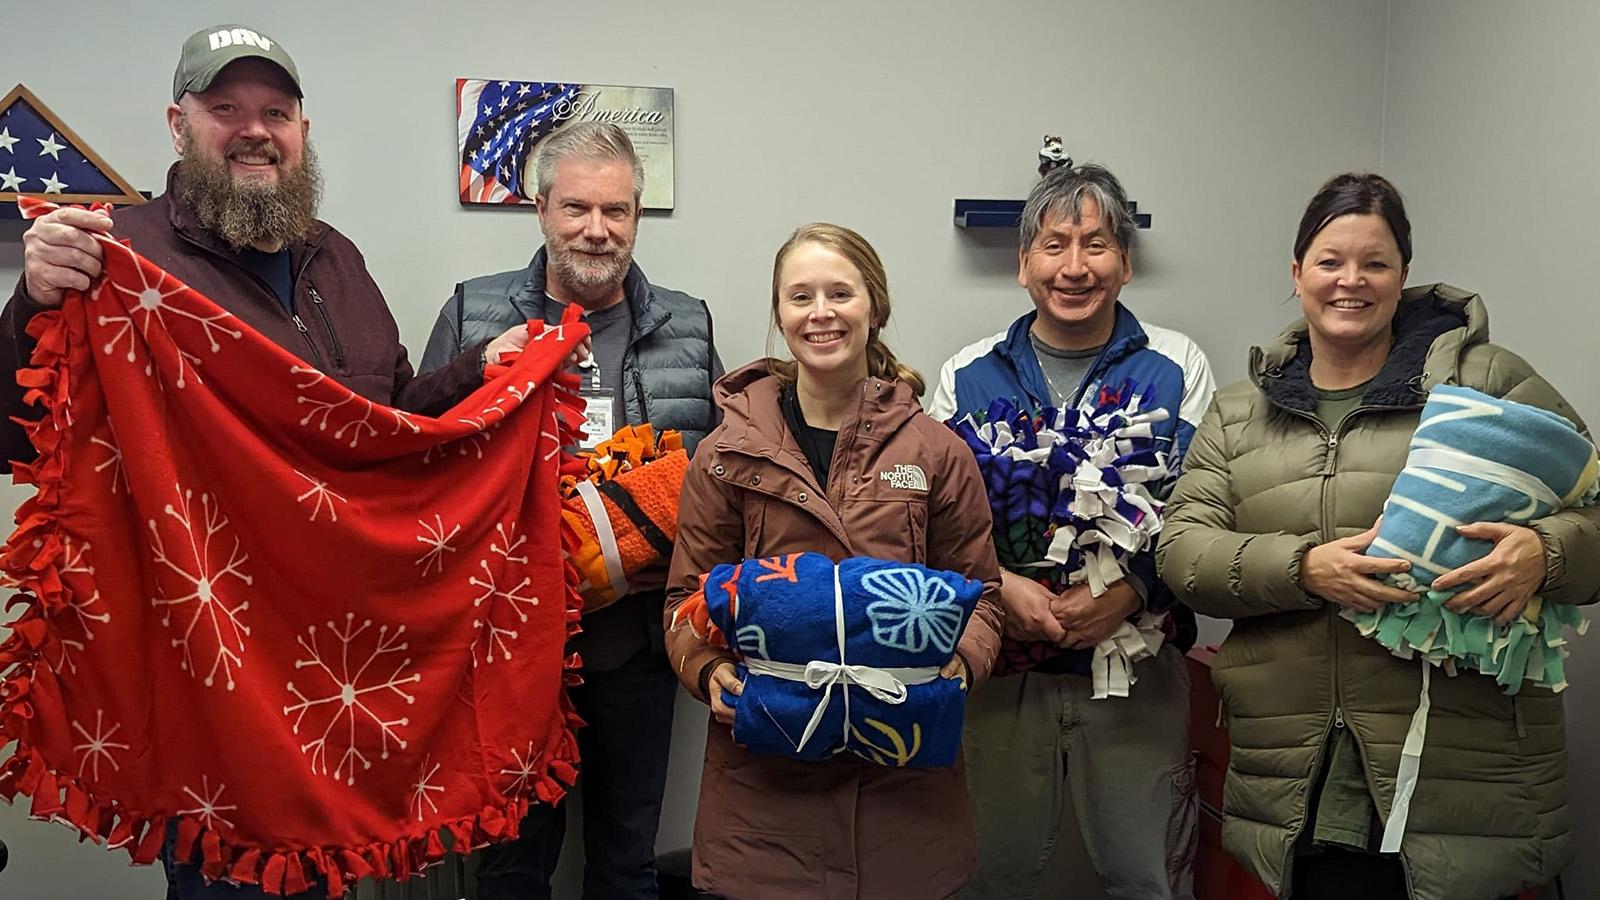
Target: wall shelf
[1008,214]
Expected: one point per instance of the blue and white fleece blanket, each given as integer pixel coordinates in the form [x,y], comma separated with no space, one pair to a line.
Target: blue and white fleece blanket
[844,658]
[1073,496]
[1476,458]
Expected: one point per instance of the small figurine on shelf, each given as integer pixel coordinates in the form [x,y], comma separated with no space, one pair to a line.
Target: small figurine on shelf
[1052,155]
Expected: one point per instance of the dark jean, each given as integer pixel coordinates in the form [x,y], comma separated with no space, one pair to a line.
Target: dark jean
[184,881]
[624,746]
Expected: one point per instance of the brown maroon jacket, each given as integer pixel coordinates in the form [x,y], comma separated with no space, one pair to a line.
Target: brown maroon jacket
[348,331]
[775,828]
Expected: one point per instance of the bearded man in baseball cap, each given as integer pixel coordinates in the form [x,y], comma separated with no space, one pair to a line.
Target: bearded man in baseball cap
[238,223]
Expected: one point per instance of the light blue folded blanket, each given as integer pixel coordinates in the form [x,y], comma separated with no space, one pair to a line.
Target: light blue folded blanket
[1476,458]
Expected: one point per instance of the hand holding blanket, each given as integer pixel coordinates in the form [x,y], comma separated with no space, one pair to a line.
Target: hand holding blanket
[624,509]
[311,630]
[1072,499]
[1477,458]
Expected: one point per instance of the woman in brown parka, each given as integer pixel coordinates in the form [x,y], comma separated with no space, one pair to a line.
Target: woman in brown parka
[1282,485]
[830,453]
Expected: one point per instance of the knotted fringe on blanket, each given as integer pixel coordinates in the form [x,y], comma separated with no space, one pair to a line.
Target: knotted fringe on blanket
[315,631]
[624,509]
[1476,458]
[1071,492]
[875,633]
[1473,458]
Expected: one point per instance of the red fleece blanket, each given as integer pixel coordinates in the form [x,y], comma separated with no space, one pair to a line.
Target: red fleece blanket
[314,630]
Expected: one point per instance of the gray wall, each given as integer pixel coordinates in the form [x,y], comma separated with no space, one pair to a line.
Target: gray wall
[1221,117]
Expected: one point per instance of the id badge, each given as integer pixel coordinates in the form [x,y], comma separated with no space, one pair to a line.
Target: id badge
[599,409]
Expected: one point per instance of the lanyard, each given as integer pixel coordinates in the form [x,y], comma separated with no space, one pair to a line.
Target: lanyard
[599,407]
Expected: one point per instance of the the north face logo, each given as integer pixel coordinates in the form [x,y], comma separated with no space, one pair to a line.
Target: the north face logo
[240,36]
[905,477]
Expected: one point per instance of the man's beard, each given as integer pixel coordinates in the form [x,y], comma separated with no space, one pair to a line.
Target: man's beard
[589,278]
[247,212]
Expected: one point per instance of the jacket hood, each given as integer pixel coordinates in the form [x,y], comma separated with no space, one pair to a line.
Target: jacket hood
[1433,326]
[748,397]
[736,383]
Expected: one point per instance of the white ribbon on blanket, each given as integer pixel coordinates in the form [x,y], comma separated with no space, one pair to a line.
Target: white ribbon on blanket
[888,685]
[605,537]
[1405,782]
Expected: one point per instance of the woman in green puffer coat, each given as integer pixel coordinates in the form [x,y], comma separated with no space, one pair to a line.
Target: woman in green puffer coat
[1281,490]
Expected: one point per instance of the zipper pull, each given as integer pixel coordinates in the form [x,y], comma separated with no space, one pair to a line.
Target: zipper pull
[299,324]
[322,311]
[1338,717]
[1333,452]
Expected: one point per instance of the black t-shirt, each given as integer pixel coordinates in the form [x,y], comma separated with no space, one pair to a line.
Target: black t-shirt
[610,331]
[273,268]
[614,635]
[816,443]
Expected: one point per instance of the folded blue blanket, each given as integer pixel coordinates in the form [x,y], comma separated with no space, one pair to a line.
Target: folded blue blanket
[1476,458]
[844,658]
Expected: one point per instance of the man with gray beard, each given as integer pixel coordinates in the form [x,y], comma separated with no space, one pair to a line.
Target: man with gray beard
[654,362]
[238,224]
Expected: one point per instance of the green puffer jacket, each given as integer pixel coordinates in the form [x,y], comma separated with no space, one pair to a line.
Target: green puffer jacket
[1264,482]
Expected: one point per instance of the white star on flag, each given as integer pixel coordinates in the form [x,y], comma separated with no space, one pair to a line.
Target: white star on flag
[6,140]
[51,147]
[52,186]
[12,181]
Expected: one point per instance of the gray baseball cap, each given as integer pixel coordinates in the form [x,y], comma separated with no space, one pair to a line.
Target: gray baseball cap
[209,50]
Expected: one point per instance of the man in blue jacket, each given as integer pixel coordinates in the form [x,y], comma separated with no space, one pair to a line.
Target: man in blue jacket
[653,361]
[1027,736]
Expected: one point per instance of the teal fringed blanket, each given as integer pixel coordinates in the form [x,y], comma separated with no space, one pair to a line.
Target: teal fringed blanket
[1475,458]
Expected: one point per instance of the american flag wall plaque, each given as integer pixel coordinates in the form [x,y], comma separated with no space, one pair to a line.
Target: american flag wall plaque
[500,123]
[40,155]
